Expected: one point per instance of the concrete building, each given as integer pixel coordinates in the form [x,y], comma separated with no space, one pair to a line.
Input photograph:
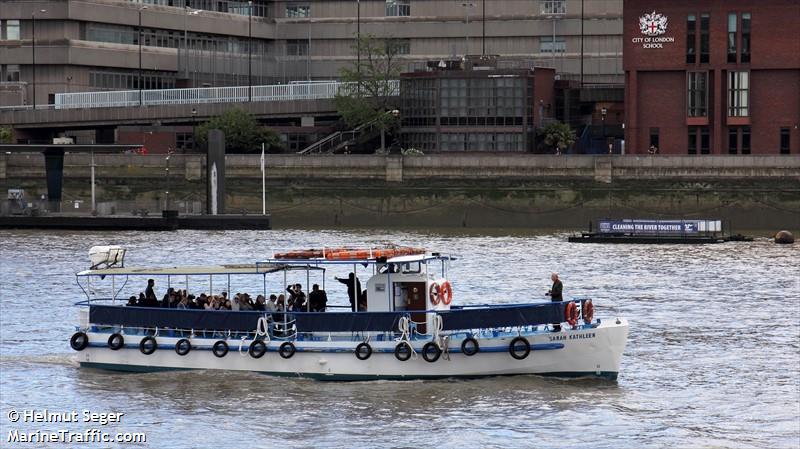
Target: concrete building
[712,76]
[475,106]
[56,46]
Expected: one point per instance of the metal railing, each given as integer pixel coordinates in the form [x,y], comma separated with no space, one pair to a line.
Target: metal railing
[277,92]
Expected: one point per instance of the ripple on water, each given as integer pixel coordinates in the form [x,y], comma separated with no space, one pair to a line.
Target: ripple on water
[713,358]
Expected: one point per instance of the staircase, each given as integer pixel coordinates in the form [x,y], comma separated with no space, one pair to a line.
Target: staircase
[336,142]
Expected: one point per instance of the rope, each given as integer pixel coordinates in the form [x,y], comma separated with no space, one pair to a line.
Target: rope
[404,326]
[241,343]
[262,329]
[446,348]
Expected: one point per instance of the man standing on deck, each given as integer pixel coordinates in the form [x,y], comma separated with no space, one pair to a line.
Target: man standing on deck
[150,299]
[353,289]
[556,295]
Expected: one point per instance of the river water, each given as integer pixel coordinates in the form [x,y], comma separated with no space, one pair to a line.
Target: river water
[713,358]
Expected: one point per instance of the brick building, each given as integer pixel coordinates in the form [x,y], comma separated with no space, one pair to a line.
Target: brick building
[712,76]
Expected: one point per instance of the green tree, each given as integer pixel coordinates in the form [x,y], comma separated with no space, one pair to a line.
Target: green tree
[372,96]
[5,135]
[559,136]
[243,134]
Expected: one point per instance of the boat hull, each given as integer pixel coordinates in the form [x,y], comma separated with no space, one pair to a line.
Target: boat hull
[583,352]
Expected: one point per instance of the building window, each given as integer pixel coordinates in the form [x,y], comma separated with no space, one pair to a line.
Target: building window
[10,73]
[732,37]
[552,7]
[654,141]
[546,44]
[691,32]
[295,10]
[698,94]
[705,141]
[745,140]
[10,30]
[398,46]
[784,140]
[705,19]
[733,141]
[692,140]
[398,8]
[738,94]
[745,37]
[296,47]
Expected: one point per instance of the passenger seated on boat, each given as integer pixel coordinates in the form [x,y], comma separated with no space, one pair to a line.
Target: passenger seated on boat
[184,303]
[165,299]
[271,305]
[131,301]
[317,299]
[244,304]
[261,304]
[225,305]
[297,298]
[141,302]
[280,303]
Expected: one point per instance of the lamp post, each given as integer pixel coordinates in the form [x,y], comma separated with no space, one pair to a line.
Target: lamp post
[603,112]
[194,124]
[140,54]
[33,53]
[250,51]
[166,175]
[466,6]
[358,36]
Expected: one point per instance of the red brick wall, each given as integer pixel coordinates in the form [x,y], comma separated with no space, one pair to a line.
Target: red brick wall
[656,77]
[778,105]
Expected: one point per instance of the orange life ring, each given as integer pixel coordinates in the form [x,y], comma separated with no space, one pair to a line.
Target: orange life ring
[435,293]
[587,311]
[571,313]
[446,293]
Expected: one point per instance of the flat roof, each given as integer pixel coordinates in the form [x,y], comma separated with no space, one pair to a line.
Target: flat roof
[69,148]
[189,270]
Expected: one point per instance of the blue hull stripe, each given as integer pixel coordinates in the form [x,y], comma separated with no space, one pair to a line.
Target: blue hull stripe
[608,375]
[232,348]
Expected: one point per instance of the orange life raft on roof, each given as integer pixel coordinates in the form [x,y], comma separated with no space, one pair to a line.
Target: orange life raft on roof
[350,253]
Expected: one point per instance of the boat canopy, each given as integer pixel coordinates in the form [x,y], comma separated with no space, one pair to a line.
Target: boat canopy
[257,268]
[311,262]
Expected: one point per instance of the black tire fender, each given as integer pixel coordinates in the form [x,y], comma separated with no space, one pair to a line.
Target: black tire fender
[431,352]
[512,348]
[148,345]
[403,351]
[257,349]
[116,341]
[220,348]
[79,341]
[287,350]
[363,351]
[183,346]
[470,347]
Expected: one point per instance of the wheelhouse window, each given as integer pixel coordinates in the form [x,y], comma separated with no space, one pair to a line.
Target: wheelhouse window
[732,18]
[551,7]
[698,94]
[297,10]
[691,35]
[738,94]
[398,8]
[705,19]
[745,56]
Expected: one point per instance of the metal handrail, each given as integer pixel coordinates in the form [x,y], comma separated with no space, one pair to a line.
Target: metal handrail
[276,92]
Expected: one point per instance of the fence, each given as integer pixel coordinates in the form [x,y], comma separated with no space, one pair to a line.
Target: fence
[277,92]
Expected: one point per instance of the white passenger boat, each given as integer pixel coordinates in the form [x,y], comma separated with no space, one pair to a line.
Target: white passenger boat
[415,326]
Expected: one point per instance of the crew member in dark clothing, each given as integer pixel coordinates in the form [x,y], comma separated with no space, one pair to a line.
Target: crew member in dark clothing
[317,299]
[150,299]
[297,298]
[556,295]
[353,289]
